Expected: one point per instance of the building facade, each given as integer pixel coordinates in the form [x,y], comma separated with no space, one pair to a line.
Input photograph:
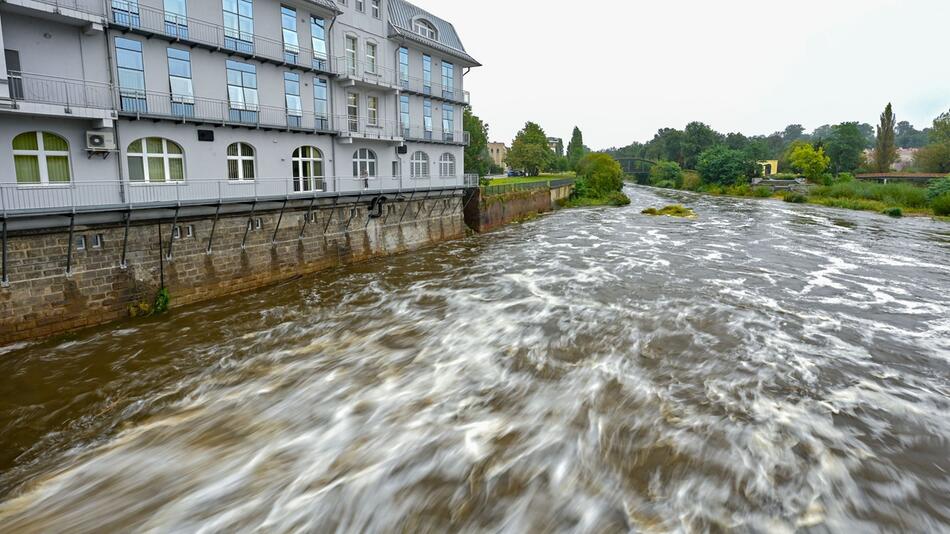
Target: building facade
[498,153]
[126,102]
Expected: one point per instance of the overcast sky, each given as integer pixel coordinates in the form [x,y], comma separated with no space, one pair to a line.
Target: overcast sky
[623,69]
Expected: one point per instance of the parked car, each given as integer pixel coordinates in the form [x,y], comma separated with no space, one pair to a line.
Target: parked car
[513,173]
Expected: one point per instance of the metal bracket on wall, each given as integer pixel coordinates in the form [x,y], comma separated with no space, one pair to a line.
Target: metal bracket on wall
[434,204]
[306,220]
[404,210]
[4,280]
[125,241]
[250,221]
[445,205]
[280,218]
[214,225]
[332,211]
[69,245]
[353,212]
[171,237]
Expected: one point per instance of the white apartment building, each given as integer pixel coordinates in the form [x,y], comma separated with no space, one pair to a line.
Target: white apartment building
[127,102]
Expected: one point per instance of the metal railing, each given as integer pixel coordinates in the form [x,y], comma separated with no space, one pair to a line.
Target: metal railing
[419,133]
[434,88]
[55,90]
[90,195]
[157,21]
[490,190]
[364,71]
[89,7]
[361,127]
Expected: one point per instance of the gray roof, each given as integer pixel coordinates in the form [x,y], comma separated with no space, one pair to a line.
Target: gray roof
[401,16]
[328,4]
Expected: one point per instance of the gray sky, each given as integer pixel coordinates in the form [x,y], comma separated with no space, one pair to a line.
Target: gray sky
[623,69]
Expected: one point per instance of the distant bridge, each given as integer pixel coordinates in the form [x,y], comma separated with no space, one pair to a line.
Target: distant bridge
[637,167]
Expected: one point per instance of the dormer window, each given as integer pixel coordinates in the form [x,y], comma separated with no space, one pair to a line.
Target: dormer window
[425,29]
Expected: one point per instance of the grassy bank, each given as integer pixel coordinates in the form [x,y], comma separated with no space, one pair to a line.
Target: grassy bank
[531,179]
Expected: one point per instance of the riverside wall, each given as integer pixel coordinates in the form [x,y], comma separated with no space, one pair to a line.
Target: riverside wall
[486,210]
[41,299]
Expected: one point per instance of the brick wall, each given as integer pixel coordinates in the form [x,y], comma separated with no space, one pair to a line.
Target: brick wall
[42,300]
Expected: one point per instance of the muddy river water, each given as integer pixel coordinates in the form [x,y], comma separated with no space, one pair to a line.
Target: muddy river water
[764,368]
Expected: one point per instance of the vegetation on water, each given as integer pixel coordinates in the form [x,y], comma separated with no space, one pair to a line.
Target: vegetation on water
[158,306]
[893,212]
[599,183]
[674,210]
[794,197]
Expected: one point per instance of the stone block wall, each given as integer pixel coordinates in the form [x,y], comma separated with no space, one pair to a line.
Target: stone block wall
[42,299]
[488,212]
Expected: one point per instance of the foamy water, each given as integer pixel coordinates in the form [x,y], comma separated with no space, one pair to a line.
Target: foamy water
[765,367]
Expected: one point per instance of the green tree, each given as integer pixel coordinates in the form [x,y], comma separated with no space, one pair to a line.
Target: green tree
[885,150]
[845,147]
[934,158]
[811,162]
[666,174]
[530,150]
[477,159]
[793,132]
[940,133]
[697,138]
[724,166]
[910,137]
[667,144]
[575,148]
[600,174]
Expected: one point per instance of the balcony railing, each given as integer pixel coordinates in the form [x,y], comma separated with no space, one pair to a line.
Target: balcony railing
[53,90]
[363,71]
[171,26]
[361,127]
[434,88]
[90,195]
[419,133]
[89,7]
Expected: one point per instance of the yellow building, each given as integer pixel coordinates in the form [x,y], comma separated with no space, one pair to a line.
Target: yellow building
[498,153]
[769,167]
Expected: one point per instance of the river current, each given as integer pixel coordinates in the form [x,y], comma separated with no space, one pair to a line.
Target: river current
[765,367]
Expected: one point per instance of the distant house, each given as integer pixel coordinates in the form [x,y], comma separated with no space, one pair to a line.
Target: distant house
[905,158]
[556,143]
[769,167]
[498,153]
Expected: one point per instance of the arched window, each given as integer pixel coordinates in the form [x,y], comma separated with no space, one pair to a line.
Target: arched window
[241,162]
[364,163]
[447,165]
[308,169]
[41,158]
[155,159]
[419,164]
[425,29]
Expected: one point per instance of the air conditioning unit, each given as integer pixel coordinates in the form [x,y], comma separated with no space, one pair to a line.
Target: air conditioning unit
[100,141]
[402,149]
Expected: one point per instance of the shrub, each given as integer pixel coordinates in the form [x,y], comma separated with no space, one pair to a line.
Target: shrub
[893,212]
[794,197]
[783,176]
[844,178]
[618,198]
[938,188]
[724,166]
[900,195]
[762,192]
[666,172]
[740,190]
[601,173]
[691,180]
[941,205]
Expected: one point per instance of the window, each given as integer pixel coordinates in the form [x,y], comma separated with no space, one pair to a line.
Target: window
[97,241]
[404,115]
[448,123]
[448,80]
[155,160]
[288,26]
[126,12]
[371,58]
[179,82]
[364,163]
[372,110]
[239,25]
[353,111]
[351,52]
[190,231]
[425,29]
[176,232]
[374,4]
[292,96]
[361,6]
[318,41]
[240,161]
[321,108]
[308,169]
[242,91]
[447,165]
[419,165]
[41,158]
[404,66]
[176,18]
[427,118]
[131,70]
[427,74]
[80,242]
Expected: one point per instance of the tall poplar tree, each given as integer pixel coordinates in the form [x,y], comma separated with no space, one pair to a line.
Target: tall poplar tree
[885,151]
[575,149]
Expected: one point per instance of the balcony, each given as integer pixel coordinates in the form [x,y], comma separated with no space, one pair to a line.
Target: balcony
[79,196]
[353,72]
[359,128]
[76,12]
[41,94]
[433,89]
[154,22]
[420,135]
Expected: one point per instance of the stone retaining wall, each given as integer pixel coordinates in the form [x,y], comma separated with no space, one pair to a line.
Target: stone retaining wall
[489,212]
